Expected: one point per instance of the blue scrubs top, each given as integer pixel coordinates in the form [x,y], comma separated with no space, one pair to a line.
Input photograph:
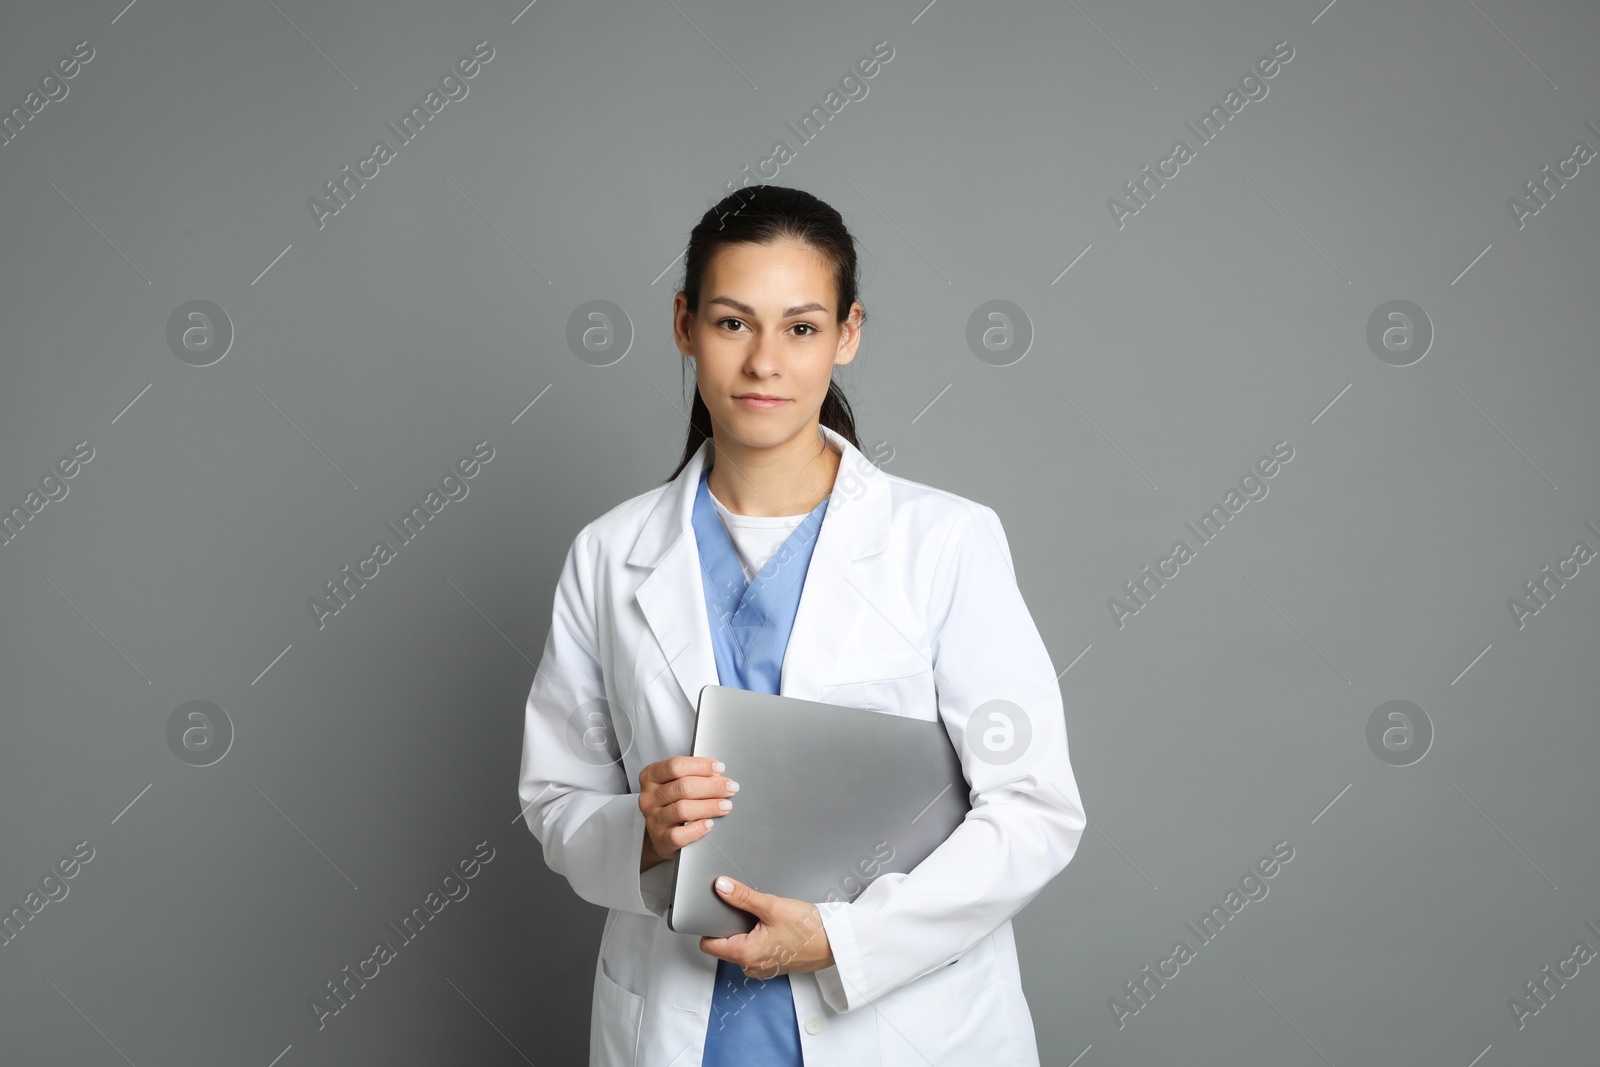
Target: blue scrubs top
[752,1021]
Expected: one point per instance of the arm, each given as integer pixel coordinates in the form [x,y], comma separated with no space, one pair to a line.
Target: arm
[576,800]
[1026,818]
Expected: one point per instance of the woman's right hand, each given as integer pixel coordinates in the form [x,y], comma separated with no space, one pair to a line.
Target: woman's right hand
[679,797]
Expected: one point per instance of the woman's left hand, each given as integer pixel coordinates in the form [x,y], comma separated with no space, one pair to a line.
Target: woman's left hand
[788,937]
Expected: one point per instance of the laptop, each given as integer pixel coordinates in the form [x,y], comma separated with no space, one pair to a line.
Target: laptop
[830,798]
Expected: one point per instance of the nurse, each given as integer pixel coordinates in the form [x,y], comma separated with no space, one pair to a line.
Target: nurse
[706,580]
[757,513]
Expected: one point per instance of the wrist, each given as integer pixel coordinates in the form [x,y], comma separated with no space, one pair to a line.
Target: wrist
[648,857]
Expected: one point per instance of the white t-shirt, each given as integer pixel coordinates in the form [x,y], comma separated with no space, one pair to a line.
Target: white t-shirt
[756,537]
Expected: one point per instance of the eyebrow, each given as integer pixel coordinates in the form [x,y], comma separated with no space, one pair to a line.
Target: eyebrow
[746,309]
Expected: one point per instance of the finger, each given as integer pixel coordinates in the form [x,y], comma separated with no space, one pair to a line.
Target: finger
[736,948]
[686,766]
[658,772]
[698,787]
[689,833]
[743,897]
[718,947]
[665,770]
[689,810]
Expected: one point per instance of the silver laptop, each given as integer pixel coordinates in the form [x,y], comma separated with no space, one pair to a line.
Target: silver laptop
[830,798]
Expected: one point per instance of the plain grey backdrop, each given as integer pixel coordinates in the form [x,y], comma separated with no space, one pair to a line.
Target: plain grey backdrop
[1381,258]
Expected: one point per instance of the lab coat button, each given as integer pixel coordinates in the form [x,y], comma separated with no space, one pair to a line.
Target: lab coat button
[813,1024]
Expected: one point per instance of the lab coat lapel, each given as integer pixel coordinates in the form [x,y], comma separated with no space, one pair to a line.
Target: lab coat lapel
[672,598]
[855,527]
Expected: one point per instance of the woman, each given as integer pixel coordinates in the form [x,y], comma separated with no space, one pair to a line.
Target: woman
[778,558]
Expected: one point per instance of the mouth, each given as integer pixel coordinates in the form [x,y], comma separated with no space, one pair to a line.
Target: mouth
[760,400]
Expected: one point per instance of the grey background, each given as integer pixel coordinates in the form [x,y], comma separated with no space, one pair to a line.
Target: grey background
[1230,313]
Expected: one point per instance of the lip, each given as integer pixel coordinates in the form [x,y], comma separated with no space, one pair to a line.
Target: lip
[760,402]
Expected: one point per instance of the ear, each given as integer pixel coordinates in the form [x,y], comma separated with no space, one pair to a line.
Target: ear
[849,336]
[681,322]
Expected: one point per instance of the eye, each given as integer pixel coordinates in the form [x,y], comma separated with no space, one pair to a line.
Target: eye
[809,329]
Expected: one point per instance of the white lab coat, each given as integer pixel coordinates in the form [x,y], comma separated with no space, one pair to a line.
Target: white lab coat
[910,607]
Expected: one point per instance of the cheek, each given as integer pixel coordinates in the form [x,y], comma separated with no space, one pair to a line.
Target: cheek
[822,373]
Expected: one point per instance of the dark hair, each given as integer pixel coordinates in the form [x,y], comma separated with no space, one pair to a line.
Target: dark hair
[762,214]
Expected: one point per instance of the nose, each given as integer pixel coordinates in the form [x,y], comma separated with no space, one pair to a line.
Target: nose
[762,359]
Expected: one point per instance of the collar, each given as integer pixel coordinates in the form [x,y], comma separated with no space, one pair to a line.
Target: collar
[856,522]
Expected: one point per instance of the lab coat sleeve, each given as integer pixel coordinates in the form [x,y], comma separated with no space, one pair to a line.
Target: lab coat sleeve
[1026,818]
[573,788]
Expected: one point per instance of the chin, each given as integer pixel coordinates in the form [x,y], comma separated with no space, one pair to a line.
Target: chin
[760,429]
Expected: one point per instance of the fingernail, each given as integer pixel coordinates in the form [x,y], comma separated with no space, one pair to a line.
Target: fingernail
[724,885]
[717,766]
[710,823]
[725,805]
[733,786]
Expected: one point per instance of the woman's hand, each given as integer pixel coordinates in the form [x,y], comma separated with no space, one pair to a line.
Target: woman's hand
[788,938]
[679,797]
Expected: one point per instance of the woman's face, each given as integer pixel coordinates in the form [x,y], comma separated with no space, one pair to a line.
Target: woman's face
[766,327]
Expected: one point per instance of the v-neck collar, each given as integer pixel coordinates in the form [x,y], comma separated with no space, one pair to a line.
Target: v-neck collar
[742,608]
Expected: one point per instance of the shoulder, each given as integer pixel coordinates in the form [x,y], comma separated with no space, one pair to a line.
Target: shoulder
[958,534]
[932,510]
[615,531]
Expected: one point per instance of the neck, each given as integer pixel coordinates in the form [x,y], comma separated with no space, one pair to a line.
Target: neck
[790,478]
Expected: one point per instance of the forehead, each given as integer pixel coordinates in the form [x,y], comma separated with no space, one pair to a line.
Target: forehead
[771,277]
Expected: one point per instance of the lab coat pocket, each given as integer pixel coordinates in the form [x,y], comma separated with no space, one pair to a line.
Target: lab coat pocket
[899,683]
[614,1022]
